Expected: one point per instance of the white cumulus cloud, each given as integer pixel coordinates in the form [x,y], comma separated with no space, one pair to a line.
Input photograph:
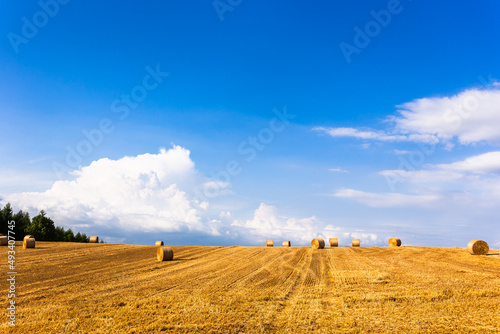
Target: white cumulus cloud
[268,224]
[148,192]
[479,164]
[469,117]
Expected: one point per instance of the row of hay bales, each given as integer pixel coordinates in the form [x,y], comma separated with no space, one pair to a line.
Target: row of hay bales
[319,243]
[30,242]
[476,247]
[270,243]
[316,243]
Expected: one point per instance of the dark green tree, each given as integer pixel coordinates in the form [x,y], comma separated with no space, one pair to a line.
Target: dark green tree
[59,234]
[85,238]
[5,217]
[69,236]
[78,237]
[42,228]
[21,218]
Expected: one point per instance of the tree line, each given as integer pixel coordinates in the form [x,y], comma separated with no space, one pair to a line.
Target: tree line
[41,227]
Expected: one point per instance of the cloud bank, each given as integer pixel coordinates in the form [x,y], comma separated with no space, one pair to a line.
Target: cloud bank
[157,194]
[268,224]
[474,181]
[461,196]
[149,192]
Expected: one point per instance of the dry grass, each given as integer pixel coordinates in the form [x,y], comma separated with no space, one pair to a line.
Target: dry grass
[112,288]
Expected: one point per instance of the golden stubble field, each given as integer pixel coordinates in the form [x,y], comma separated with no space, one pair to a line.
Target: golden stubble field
[114,288]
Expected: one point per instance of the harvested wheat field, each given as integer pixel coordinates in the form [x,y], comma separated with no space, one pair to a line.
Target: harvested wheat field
[113,288]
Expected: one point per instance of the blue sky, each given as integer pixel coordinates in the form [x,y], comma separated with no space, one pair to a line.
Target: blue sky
[397,138]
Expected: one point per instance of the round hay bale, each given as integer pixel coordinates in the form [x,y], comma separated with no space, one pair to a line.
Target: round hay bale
[27,236]
[3,240]
[159,243]
[356,243]
[478,247]
[394,242]
[287,244]
[29,243]
[94,239]
[269,243]
[165,254]
[318,243]
[334,242]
